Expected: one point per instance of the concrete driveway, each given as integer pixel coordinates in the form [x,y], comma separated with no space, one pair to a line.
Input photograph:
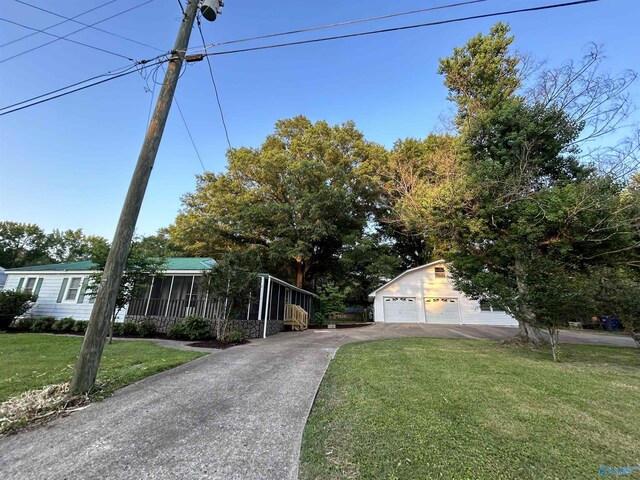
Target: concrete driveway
[234,414]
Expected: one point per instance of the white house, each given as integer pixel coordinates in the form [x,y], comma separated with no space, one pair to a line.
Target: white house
[426,295]
[62,287]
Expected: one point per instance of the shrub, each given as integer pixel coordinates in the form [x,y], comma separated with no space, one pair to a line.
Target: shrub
[66,324]
[13,304]
[129,329]
[117,329]
[42,324]
[191,328]
[24,324]
[234,336]
[147,328]
[80,326]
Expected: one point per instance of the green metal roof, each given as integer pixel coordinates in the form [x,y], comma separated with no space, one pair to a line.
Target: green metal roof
[57,267]
[173,263]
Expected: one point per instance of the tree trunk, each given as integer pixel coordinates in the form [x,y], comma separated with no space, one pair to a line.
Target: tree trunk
[527,329]
[299,272]
[553,341]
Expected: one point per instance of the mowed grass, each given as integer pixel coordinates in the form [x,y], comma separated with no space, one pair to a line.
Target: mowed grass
[456,409]
[31,361]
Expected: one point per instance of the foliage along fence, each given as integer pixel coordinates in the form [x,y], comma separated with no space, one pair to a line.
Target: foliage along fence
[164,313]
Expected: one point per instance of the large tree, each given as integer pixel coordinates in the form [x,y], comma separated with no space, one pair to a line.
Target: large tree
[299,195]
[521,212]
[22,244]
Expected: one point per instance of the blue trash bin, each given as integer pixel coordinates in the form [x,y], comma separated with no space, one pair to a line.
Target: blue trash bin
[611,323]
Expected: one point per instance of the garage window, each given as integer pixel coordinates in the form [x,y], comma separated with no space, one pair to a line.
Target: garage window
[440,272]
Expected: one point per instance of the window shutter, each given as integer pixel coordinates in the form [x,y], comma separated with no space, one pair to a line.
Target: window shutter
[36,290]
[83,289]
[20,282]
[62,289]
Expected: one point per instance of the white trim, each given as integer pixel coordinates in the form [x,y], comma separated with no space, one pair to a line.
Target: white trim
[266,308]
[373,294]
[65,296]
[261,298]
[282,282]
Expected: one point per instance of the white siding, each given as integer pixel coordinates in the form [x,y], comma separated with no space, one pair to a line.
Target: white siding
[47,304]
[421,283]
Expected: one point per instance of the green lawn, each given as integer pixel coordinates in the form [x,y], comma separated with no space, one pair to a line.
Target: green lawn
[30,361]
[456,409]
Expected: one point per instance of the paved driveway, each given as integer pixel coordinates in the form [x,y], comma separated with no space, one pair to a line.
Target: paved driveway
[234,414]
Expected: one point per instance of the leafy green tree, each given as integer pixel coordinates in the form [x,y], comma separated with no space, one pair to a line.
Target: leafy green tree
[74,245]
[299,195]
[332,299]
[22,244]
[140,269]
[160,245]
[482,74]
[519,213]
[233,281]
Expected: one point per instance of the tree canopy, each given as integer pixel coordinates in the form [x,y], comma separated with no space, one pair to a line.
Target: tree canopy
[299,196]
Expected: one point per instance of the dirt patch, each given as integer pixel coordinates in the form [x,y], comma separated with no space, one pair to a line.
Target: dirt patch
[216,344]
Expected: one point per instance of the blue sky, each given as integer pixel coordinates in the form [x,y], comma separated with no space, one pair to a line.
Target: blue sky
[67,163]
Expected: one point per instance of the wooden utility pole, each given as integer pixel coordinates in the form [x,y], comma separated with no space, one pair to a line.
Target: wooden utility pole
[86,369]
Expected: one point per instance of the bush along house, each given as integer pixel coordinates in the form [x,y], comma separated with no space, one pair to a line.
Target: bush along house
[174,295]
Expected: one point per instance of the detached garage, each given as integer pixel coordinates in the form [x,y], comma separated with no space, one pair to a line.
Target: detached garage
[425,295]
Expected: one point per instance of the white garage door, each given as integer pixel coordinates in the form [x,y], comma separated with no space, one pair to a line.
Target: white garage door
[442,310]
[400,309]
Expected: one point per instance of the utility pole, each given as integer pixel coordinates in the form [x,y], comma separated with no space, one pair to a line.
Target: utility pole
[84,375]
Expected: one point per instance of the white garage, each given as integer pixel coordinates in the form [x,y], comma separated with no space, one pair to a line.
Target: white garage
[426,295]
[400,309]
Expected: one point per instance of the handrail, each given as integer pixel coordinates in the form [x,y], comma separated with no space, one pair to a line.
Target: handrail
[296,316]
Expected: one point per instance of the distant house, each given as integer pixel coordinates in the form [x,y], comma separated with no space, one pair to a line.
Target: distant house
[425,294]
[3,277]
[176,294]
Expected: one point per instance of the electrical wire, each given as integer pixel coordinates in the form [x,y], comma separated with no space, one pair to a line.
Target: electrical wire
[67,39]
[340,24]
[175,100]
[133,69]
[60,23]
[146,63]
[110,73]
[215,87]
[75,31]
[407,27]
[92,27]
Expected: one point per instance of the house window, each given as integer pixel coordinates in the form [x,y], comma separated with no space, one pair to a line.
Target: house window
[440,272]
[74,288]
[29,285]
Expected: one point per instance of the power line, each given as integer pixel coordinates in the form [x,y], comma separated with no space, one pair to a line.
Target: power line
[175,100]
[341,24]
[67,39]
[396,29]
[86,25]
[132,69]
[215,87]
[75,31]
[60,23]
[146,63]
